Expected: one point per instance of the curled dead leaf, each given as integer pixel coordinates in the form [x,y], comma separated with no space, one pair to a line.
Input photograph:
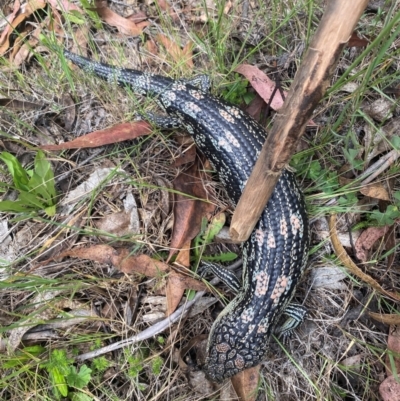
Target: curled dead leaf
[8,24]
[375,190]
[19,105]
[386,318]
[175,286]
[118,224]
[15,20]
[393,90]
[380,109]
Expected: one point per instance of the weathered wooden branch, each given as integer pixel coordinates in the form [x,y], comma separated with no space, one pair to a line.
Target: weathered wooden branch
[309,85]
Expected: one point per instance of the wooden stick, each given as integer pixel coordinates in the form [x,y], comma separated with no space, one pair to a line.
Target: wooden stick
[308,87]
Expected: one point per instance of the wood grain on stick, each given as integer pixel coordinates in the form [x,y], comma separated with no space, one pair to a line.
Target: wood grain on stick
[309,86]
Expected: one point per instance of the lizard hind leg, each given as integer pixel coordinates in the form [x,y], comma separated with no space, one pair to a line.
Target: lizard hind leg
[200,81]
[225,275]
[296,314]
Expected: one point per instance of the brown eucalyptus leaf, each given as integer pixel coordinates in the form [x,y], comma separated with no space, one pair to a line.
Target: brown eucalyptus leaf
[122,260]
[188,211]
[117,133]
[124,25]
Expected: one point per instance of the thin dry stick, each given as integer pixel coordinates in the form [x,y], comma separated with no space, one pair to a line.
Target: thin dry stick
[145,334]
[385,162]
[308,87]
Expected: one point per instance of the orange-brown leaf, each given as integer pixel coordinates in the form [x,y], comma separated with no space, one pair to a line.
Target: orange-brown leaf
[188,212]
[124,25]
[387,318]
[151,47]
[127,263]
[245,383]
[81,38]
[117,133]
[183,257]
[137,17]
[182,56]
[10,18]
[29,9]
[21,53]
[175,285]
[262,84]
[188,156]
[356,41]
[255,107]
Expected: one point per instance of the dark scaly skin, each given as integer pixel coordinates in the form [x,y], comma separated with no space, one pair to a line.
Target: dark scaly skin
[275,255]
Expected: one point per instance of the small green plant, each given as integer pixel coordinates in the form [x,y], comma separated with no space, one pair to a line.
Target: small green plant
[35,186]
[237,92]
[96,344]
[395,141]
[386,218]
[64,376]
[348,200]
[156,365]
[100,364]
[135,365]
[326,179]
[352,157]
[23,357]
[206,236]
